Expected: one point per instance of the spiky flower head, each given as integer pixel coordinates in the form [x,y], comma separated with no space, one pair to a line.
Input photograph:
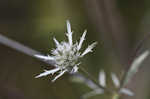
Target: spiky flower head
[96,90]
[66,55]
[120,85]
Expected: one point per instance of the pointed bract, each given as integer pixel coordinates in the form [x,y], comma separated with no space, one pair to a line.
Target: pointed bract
[102,78]
[56,42]
[68,27]
[135,66]
[44,57]
[82,39]
[115,80]
[69,34]
[126,91]
[89,49]
[74,69]
[59,75]
[47,72]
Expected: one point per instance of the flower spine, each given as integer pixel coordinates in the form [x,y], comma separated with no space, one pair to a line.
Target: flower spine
[66,55]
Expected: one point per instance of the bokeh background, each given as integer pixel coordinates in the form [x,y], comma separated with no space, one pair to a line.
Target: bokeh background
[117,25]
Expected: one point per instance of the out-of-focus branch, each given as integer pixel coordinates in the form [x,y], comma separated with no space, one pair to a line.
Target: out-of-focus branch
[17,46]
[108,21]
[10,92]
[21,48]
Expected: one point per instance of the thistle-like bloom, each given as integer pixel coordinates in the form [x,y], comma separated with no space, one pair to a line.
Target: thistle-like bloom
[96,90]
[66,55]
[119,87]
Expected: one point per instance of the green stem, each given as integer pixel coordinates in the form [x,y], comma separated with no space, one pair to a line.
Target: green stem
[115,96]
[94,80]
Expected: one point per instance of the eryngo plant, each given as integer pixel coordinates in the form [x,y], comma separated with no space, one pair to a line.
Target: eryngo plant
[61,67]
[66,55]
[119,87]
[96,90]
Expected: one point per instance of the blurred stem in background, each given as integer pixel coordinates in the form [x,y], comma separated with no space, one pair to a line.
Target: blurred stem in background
[115,96]
[108,21]
[106,16]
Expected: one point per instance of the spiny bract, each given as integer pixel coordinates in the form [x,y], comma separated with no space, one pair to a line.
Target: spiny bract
[66,55]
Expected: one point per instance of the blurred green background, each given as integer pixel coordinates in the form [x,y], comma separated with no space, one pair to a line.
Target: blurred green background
[117,25]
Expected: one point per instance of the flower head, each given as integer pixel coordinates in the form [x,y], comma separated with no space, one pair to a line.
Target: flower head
[96,90]
[66,54]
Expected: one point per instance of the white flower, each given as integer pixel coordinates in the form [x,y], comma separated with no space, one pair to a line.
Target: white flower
[119,87]
[66,55]
[102,82]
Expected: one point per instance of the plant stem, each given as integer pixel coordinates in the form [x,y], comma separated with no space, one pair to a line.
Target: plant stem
[94,80]
[21,48]
[31,52]
[115,96]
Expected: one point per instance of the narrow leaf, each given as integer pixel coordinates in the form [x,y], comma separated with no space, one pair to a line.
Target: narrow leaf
[78,78]
[47,72]
[82,39]
[44,57]
[115,80]
[89,49]
[59,75]
[92,93]
[126,91]
[69,34]
[102,78]
[56,42]
[135,66]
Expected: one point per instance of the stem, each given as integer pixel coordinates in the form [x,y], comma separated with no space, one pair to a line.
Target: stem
[21,48]
[94,80]
[31,52]
[115,96]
